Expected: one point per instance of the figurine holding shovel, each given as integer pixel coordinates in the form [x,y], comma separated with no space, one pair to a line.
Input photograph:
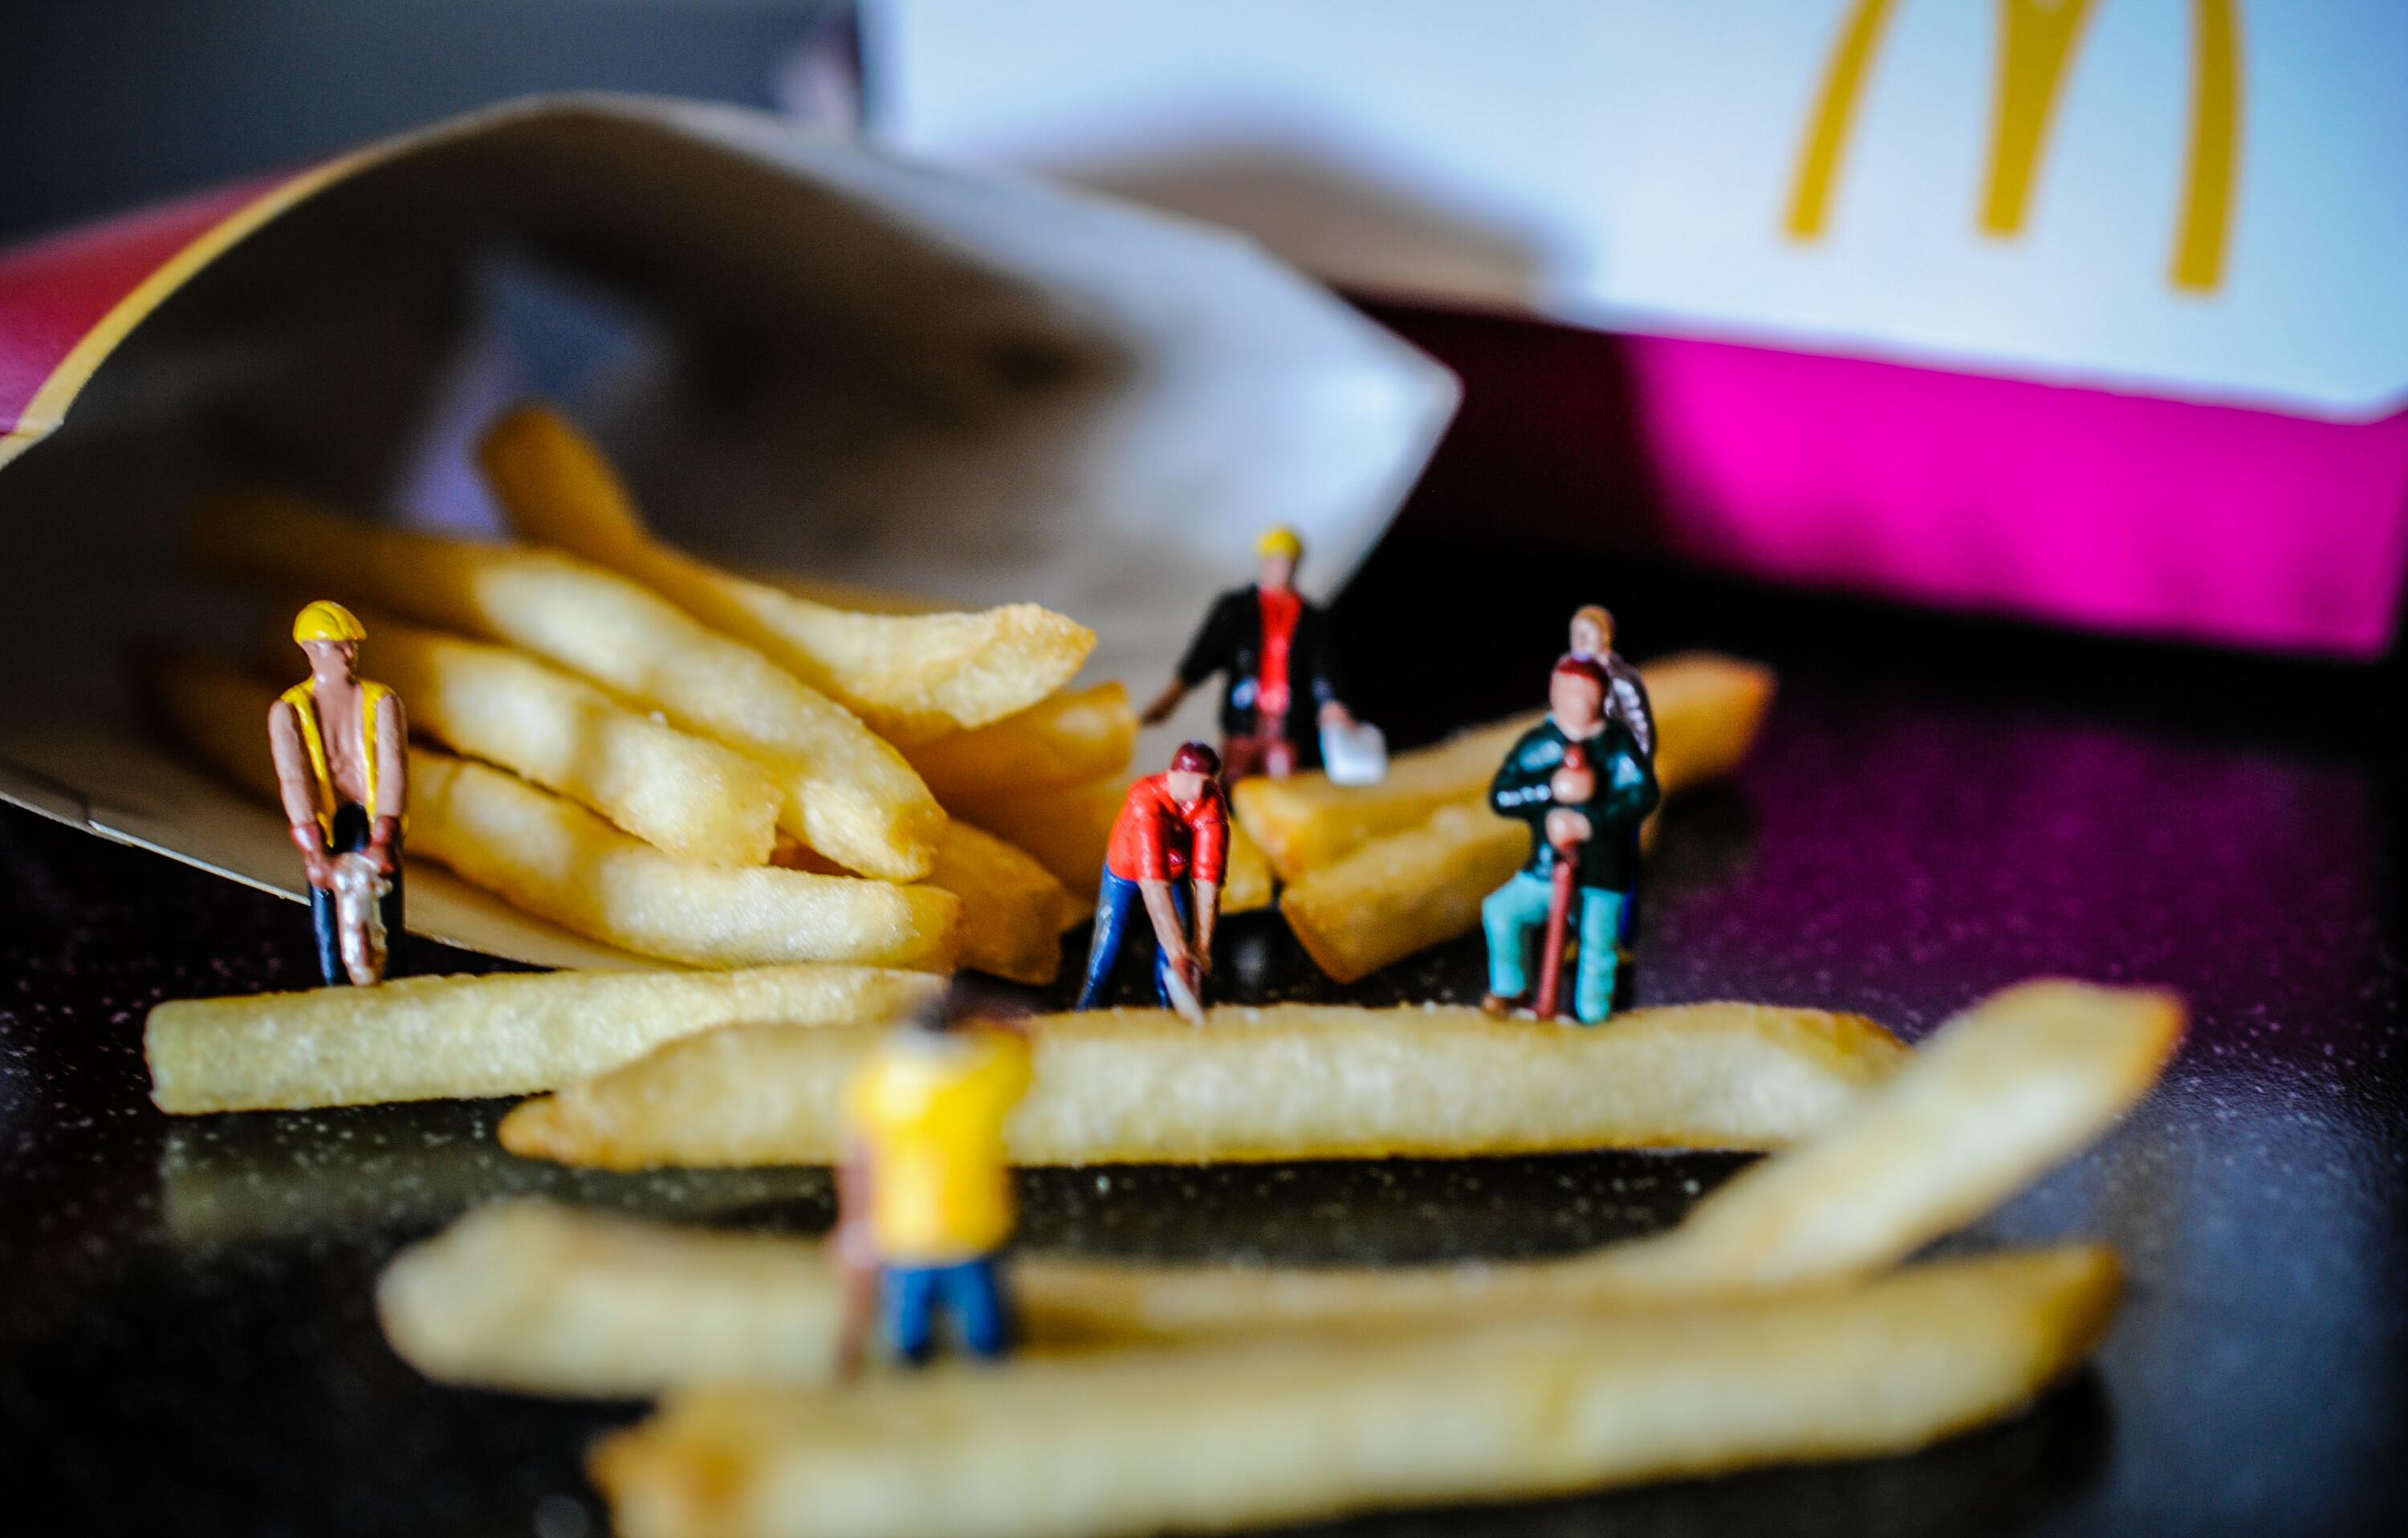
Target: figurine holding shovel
[1581,780]
[1173,831]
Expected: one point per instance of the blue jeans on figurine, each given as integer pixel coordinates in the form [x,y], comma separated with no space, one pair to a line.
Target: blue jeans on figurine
[1115,902]
[969,1290]
[1519,907]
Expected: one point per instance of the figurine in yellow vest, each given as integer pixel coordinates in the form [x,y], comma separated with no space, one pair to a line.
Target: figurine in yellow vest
[342,767]
[924,1194]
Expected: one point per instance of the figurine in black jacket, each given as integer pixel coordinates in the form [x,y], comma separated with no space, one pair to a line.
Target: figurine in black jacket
[1272,645]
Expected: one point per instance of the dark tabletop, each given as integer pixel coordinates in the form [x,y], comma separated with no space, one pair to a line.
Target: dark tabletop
[1938,807]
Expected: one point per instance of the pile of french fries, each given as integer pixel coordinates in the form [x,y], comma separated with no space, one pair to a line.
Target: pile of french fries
[1772,1325]
[673,759]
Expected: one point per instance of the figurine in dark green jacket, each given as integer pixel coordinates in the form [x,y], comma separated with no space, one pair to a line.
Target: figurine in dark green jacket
[1588,811]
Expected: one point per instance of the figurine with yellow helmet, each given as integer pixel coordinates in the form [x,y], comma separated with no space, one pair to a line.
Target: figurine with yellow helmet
[341,749]
[1270,646]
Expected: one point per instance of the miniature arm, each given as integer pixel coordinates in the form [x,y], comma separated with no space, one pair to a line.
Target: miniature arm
[1167,931]
[1632,703]
[293,786]
[1208,918]
[1207,654]
[1211,862]
[1518,790]
[393,780]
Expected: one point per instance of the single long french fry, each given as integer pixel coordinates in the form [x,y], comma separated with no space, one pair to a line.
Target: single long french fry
[526,1295]
[558,861]
[912,677]
[1067,828]
[1014,910]
[1708,711]
[1069,739]
[848,794]
[1217,1437]
[1289,1082]
[468,1038]
[685,794]
[551,1299]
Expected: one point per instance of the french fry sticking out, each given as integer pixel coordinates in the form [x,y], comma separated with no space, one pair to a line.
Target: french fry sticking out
[547,1299]
[1068,739]
[1290,1082]
[1403,892]
[557,860]
[468,1038]
[912,677]
[1708,711]
[847,794]
[1014,911]
[1066,827]
[1217,1436]
[683,795]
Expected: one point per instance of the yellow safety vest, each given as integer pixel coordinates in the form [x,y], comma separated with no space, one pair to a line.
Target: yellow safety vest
[932,1113]
[303,697]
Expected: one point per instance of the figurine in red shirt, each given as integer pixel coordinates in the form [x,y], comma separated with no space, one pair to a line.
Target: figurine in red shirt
[1173,830]
[1271,646]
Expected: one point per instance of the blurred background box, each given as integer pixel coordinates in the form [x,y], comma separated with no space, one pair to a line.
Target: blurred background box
[2078,310]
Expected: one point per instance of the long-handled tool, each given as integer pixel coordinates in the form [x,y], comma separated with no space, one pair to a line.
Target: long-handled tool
[1559,910]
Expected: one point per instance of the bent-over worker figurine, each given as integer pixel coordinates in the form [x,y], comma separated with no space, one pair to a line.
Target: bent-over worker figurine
[1172,831]
[1580,780]
[1272,644]
[924,1193]
[342,756]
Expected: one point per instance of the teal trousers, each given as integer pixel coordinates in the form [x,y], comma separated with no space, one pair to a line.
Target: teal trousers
[1515,917]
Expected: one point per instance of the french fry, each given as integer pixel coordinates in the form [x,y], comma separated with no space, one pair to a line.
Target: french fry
[1067,827]
[1069,739]
[1216,1437]
[558,861]
[472,1038]
[526,1295]
[911,677]
[1708,711]
[1403,892]
[683,795]
[1014,911]
[1994,1100]
[847,794]
[1990,1102]
[1289,1082]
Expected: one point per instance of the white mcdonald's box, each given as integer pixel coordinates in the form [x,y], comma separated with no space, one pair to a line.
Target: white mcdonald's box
[2090,310]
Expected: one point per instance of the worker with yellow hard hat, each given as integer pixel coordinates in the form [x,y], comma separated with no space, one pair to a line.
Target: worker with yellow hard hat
[1270,644]
[342,769]
[926,1190]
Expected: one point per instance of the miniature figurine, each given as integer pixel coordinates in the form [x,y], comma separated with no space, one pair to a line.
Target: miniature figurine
[341,749]
[1271,644]
[1173,829]
[924,1202]
[1579,779]
[1593,637]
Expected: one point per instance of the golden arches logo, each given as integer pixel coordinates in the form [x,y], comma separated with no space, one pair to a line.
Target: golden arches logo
[2037,40]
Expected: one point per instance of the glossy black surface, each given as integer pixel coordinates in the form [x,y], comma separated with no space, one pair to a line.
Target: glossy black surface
[187,1343]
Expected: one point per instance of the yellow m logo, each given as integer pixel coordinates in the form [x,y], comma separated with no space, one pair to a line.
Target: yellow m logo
[2037,40]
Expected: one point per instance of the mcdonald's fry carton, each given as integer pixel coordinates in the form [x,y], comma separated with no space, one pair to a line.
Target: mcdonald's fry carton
[808,354]
[2080,309]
